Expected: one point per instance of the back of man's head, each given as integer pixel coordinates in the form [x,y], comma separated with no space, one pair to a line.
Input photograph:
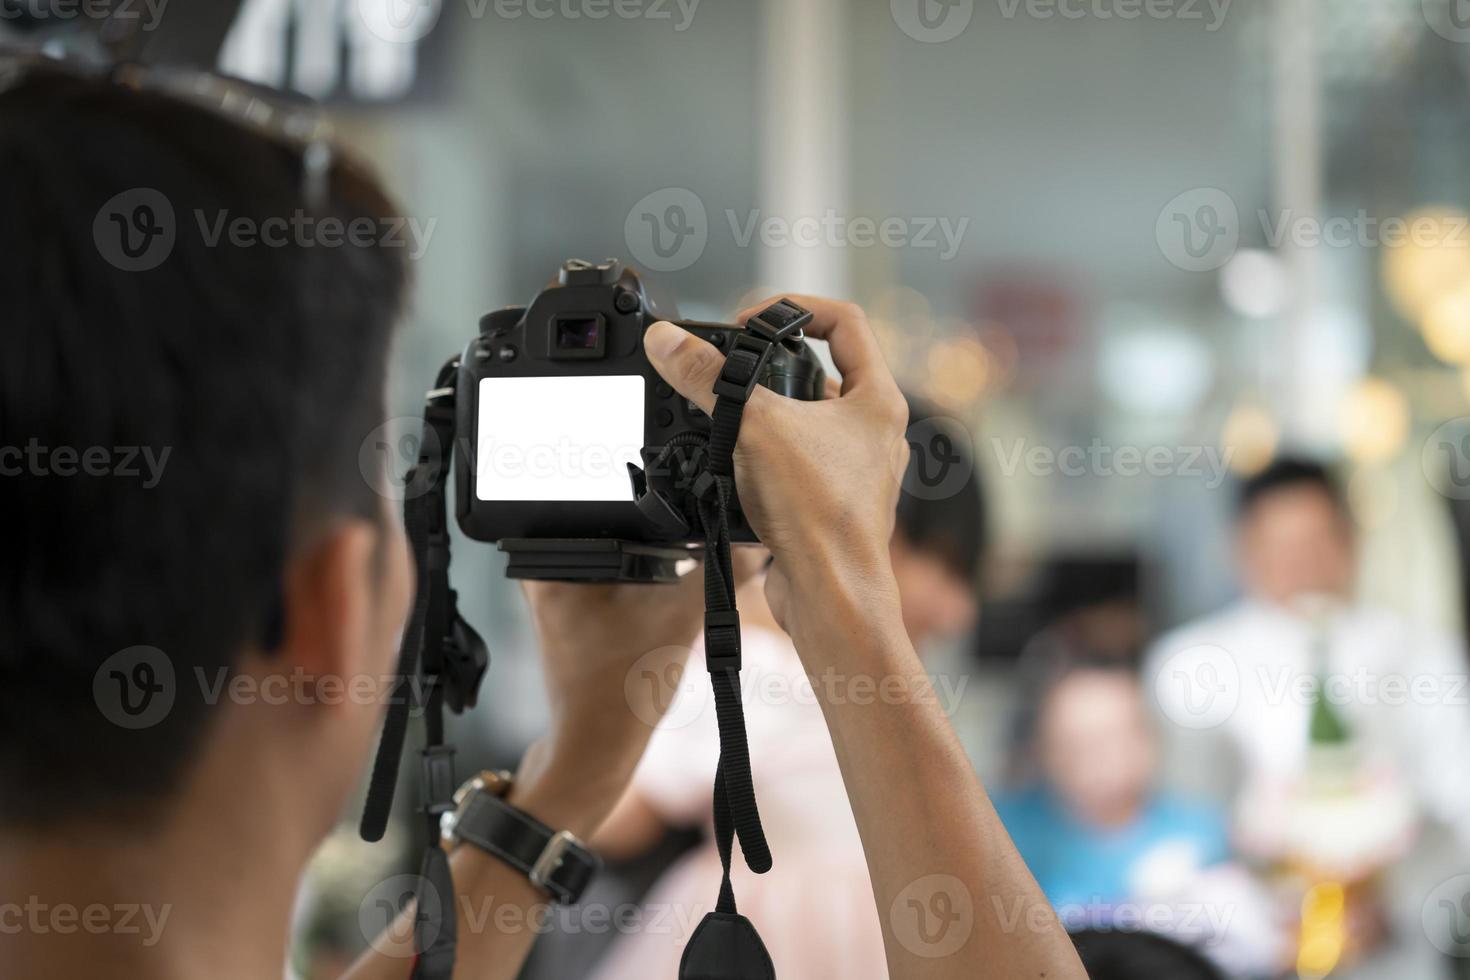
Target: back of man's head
[942,510]
[170,430]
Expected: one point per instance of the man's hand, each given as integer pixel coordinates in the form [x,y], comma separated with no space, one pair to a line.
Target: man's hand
[592,638]
[818,481]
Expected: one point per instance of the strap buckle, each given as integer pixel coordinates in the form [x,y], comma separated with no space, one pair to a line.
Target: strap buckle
[724,654]
[779,321]
[553,855]
[751,349]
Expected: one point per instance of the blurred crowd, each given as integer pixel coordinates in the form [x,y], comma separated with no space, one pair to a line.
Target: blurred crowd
[1273,790]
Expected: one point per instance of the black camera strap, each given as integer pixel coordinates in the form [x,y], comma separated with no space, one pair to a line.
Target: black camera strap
[441,660]
[726,945]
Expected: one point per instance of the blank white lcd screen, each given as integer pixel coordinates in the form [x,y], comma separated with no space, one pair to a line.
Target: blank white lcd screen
[558,438]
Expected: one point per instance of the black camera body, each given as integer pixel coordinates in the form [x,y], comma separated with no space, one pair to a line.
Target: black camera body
[561,418]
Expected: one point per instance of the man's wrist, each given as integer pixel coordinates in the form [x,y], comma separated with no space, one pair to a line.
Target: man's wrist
[568,787]
[834,591]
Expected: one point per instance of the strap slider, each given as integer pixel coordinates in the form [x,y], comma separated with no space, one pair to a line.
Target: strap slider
[781,320]
[742,367]
[439,782]
[704,485]
[722,652]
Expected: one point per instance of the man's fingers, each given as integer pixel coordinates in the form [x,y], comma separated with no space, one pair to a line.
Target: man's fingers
[683,360]
[845,328]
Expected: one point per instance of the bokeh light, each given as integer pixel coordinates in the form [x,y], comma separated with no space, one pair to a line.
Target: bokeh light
[1375,421]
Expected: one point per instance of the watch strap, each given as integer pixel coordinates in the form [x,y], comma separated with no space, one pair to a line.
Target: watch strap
[555,861]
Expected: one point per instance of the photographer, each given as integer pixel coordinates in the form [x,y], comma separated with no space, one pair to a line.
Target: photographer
[133,783]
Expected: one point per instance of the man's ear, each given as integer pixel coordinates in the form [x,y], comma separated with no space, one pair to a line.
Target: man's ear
[330,592]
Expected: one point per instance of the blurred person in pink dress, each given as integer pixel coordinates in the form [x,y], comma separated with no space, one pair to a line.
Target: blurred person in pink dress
[815,908]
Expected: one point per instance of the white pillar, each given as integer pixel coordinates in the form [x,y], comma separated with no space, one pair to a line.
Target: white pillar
[804,138]
[1297,192]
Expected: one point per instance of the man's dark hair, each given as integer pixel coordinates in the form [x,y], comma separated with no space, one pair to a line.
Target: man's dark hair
[1121,955]
[951,526]
[258,368]
[1289,472]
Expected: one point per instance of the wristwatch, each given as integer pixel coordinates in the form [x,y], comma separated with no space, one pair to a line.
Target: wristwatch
[557,862]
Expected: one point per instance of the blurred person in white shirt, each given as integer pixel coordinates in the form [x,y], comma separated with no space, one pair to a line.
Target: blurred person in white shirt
[1337,728]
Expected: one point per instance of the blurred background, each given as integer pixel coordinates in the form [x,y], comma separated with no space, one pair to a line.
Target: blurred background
[1129,254]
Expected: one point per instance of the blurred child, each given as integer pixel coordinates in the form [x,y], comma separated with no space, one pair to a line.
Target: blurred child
[1093,829]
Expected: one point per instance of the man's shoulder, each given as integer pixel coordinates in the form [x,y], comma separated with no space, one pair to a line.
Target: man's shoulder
[1219,628]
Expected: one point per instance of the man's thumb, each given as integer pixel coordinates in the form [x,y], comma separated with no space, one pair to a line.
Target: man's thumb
[683,360]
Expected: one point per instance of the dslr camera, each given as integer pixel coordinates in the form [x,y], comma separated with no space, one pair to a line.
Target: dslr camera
[572,453]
